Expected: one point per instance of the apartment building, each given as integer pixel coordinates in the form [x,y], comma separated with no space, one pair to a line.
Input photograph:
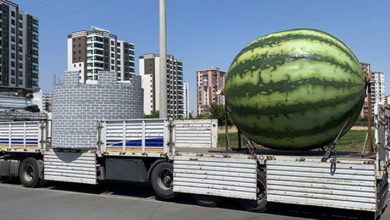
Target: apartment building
[149,67]
[19,41]
[99,50]
[208,82]
[377,86]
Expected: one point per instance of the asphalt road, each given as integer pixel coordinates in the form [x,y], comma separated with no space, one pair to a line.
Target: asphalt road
[63,201]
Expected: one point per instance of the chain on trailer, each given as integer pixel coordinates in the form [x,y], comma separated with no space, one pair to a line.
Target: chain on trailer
[331,149]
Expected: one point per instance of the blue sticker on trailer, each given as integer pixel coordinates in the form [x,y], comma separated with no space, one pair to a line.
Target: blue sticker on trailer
[19,141]
[149,143]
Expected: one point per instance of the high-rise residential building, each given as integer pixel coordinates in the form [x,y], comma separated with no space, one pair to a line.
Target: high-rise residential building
[387,99]
[19,39]
[47,100]
[208,83]
[186,99]
[99,50]
[377,85]
[149,67]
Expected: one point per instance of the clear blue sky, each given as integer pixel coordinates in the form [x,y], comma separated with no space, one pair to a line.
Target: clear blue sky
[204,33]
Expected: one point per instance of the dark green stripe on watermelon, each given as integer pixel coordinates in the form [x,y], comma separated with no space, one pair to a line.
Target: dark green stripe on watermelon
[249,89]
[274,61]
[292,108]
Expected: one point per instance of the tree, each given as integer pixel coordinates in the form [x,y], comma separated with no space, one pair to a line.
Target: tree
[153,114]
[218,112]
[203,116]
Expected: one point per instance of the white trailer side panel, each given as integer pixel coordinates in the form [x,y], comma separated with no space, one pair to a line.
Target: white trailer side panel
[352,186]
[195,133]
[76,167]
[22,136]
[226,177]
[136,137]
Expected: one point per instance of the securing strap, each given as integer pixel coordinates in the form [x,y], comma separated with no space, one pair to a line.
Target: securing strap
[331,151]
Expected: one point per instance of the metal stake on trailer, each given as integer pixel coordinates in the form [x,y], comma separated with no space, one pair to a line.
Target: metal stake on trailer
[369,108]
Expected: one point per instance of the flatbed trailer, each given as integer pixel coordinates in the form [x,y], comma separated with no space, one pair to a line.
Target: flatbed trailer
[181,156]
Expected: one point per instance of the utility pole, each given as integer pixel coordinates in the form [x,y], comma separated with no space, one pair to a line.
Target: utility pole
[163,61]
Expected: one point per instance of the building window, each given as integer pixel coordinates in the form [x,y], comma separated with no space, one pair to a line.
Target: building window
[12,72]
[13,30]
[12,13]
[13,46]
[20,82]
[13,55]
[12,63]
[13,81]
[13,21]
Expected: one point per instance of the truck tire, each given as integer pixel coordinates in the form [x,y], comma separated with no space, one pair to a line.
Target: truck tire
[29,173]
[162,180]
[207,201]
[259,205]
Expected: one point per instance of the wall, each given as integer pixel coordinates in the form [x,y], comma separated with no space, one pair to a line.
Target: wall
[77,107]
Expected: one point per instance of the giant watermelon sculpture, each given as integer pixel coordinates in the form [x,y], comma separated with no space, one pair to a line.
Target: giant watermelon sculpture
[294,89]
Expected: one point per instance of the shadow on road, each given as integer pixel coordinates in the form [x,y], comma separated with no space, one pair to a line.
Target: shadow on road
[145,191]
[310,212]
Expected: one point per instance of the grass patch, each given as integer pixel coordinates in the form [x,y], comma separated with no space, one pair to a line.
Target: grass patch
[352,141]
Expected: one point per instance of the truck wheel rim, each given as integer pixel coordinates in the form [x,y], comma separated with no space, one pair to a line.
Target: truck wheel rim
[29,173]
[165,179]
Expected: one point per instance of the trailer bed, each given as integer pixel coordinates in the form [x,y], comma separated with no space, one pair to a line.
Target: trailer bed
[292,177]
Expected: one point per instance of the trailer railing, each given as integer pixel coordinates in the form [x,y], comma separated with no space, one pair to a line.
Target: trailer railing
[141,137]
[154,137]
[23,136]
